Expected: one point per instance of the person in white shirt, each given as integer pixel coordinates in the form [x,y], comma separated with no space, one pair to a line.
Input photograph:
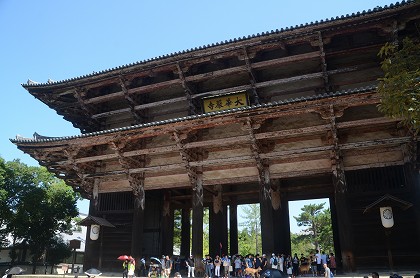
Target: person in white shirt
[318,263]
[281,262]
[274,261]
[327,272]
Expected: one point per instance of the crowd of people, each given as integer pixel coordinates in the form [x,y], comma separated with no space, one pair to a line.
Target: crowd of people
[315,264]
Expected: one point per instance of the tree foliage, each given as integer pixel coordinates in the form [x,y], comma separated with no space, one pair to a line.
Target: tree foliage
[399,89]
[177,230]
[206,231]
[317,221]
[57,251]
[251,234]
[37,206]
[301,244]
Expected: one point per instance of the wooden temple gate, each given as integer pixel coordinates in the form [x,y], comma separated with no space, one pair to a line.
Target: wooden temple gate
[286,115]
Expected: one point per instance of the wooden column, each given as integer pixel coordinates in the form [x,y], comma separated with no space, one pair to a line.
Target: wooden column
[225,233]
[344,222]
[285,241]
[281,224]
[195,175]
[197,219]
[266,211]
[185,232]
[340,193]
[167,226]
[336,238]
[216,224]
[233,223]
[91,257]
[137,184]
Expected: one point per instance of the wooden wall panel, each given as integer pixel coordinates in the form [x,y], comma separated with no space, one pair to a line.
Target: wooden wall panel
[230,173]
[300,166]
[373,158]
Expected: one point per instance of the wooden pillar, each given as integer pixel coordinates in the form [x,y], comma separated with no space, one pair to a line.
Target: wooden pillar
[197,219]
[91,257]
[281,224]
[266,212]
[335,230]
[344,226]
[167,227]
[285,243]
[92,247]
[137,184]
[225,234]
[185,232]
[344,221]
[233,223]
[216,224]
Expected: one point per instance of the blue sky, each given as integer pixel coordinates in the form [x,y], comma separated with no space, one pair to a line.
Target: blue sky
[50,39]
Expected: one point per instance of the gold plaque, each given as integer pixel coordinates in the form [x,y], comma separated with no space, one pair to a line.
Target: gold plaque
[225,102]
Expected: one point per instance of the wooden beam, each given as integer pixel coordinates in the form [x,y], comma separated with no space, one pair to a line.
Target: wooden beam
[376,143]
[373,165]
[285,60]
[242,139]
[366,122]
[140,107]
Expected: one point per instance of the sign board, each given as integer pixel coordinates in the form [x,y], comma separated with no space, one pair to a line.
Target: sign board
[75,244]
[225,102]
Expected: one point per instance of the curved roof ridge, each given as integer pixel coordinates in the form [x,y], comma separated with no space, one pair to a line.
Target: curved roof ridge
[31,83]
[39,139]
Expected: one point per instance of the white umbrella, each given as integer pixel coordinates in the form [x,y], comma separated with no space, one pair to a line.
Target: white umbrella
[92,272]
[15,270]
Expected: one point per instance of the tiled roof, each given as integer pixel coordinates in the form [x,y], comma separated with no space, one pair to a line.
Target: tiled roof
[31,84]
[39,139]
[90,220]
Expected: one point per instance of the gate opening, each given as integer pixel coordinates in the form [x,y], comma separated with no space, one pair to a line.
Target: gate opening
[311,228]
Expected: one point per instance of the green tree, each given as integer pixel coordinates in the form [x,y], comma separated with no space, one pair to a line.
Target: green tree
[245,245]
[57,251]
[325,232]
[4,208]
[75,227]
[301,244]
[317,221]
[177,229]
[38,206]
[252,225]
[399,89]
[206,231]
